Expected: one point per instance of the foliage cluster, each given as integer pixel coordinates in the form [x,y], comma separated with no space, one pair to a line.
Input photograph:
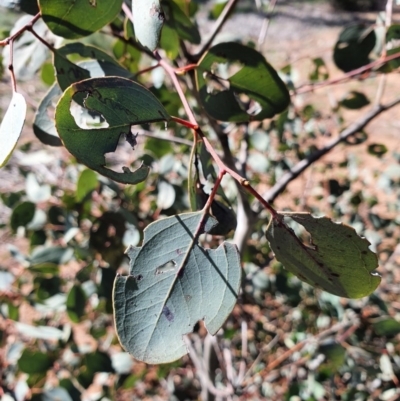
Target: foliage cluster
[214,129]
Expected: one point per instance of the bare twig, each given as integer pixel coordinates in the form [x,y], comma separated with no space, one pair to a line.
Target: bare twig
[203,374]
[217,27]
[334,329]
[382,81]
[7,41]
[283,182]
[347,76]
[266,22]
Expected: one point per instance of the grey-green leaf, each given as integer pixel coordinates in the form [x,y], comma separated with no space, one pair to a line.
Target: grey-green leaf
[44,126]
[11,127]
[337,260]
[173,283]
[122,103]
[148,20]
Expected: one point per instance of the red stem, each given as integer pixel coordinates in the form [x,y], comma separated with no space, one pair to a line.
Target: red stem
[192,124]
[29,25]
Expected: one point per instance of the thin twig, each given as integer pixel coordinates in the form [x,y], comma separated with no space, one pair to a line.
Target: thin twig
[38,37]
[11,67]
[284,181]
[173,139]
[217,27]
[7,41]
[382,82]
[334,329]
[347,76]
[266,22]
[203,374]
[172,74]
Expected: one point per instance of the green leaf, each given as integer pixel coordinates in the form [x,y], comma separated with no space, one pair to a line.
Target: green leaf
[11,127]
[353,47]
[76,302]
[148,20]
[173,283]
[44,126]
[354,100]
[386,326]
[22,215]
[255,78]
[87,182]
[337,260]
[320,70]
[177,20]
[98,362]
[47,74]
[334,353]
[45,269]
[169,41]
[74,19]
[393,33]
[29,6]
[33,362]
[377,149]
[100,64]
[122,103]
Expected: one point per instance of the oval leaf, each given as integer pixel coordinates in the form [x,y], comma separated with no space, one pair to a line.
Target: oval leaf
[256,79]
[354,100]
[74,19]
[11,127]
[76,302]
[353,47]
[173,283]
[177,20]
[337,260]
[148,20]
[44,126]
[100,65]
[22,215]
[122,103]
[34,362]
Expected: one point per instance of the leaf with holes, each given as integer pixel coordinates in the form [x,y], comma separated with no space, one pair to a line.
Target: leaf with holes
[122,103]
[11,127]
[74,19]
[353,47]
[337,260]
[264,92]
[99,65]
[172,284]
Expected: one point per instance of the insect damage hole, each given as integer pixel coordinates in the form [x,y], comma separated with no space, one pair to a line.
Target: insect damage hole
[124,155]
[301,233]
[87,119]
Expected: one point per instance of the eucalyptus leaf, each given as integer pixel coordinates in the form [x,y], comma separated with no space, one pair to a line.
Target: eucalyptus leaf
[100,64]
[337,259]
[353,47]
[34,362]
[44,126]
[73,19]
[354,100]
[122,103]
[255,79]
[172,284]
[177,20]
[148,20]
[11,127]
